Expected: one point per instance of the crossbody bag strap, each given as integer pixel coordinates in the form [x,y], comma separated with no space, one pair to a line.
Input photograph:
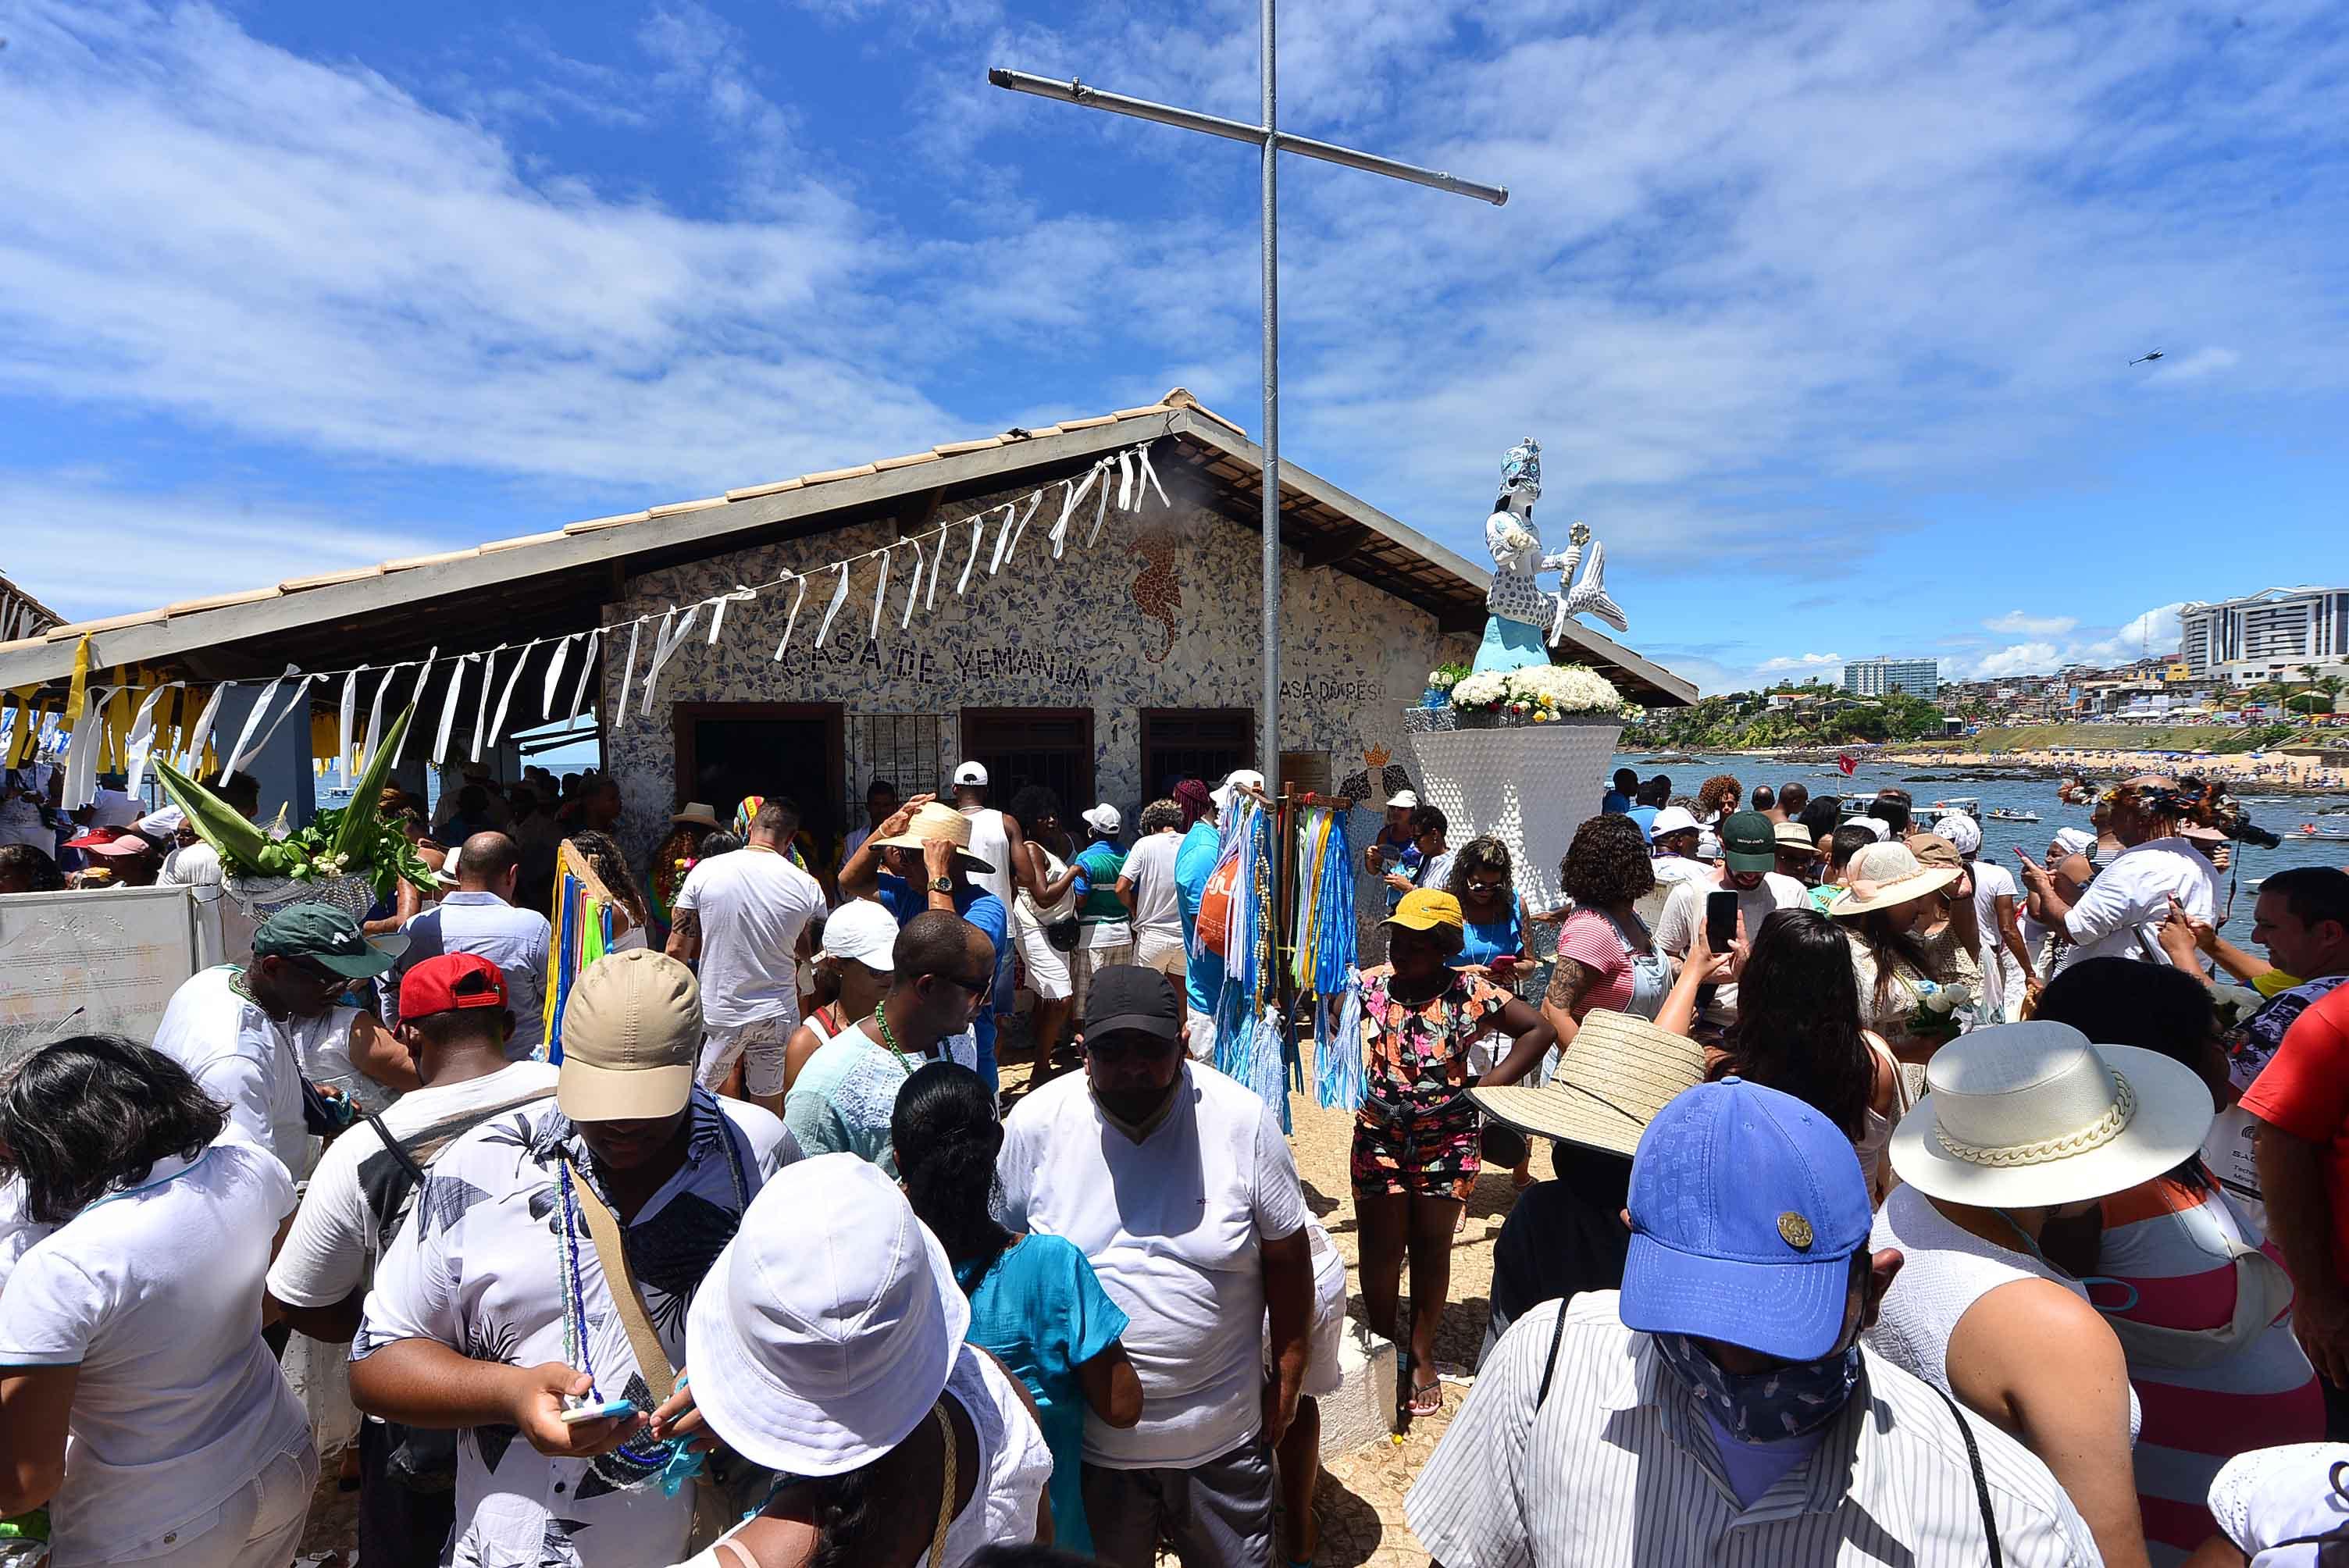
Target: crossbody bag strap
[1981,1481]
[946,1490]
[1549,1365]
[394,1147]
[603,1229]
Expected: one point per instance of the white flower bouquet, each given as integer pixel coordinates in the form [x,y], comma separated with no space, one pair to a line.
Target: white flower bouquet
[1539,694]
[1938,1010]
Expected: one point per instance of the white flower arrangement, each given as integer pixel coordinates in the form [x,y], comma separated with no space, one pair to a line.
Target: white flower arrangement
[2236,1003]
[1539,693]
[1441,680]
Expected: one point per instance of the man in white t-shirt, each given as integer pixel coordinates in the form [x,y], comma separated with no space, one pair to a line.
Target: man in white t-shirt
[2121,912]
[1749,852]
[739,919]
[251,1036]
[458,1020]
[478,915]
[1145,884]
[2006,973]
[1674,834]
[992,834]
[1178,1186]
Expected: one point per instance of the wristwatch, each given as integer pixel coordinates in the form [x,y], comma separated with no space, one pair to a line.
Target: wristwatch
[942,884]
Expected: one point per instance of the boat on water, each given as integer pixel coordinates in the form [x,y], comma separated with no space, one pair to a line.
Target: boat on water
[2003,814]
[1857,805]
[2309,830]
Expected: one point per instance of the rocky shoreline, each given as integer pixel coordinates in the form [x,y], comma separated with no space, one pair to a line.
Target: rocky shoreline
[2271,774]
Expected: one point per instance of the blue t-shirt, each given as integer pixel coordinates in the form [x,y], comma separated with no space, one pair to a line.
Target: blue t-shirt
[975,904]
[1483,940]
[1195,862]
[1101,861]
[1043,1314]
[1646,817]
[1614,801]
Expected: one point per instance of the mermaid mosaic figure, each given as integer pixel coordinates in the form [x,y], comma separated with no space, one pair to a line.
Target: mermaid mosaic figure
[1524,620]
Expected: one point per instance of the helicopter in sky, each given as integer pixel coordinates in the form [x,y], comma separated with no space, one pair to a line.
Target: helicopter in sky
[2146,359]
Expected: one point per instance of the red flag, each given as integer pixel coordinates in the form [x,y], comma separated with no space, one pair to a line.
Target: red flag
[1846,764]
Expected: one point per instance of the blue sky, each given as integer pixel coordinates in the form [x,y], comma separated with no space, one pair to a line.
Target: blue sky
[1820,313]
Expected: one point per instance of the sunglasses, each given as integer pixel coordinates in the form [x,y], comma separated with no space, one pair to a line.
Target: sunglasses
[975,988]
[1483,889]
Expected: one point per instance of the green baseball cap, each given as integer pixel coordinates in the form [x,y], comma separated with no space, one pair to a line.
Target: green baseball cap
[323,934]
[1749,843]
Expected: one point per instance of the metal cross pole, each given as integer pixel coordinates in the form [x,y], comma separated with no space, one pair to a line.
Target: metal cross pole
[1274,143]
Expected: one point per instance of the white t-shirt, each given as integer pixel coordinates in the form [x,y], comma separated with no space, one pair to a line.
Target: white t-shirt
[254,1064]
[338,1235]
[1172,1225]
[1994,881]
[1673,870]
[1680,930]
[155,1294]
[991,841]
[2120,914]
[114,809]
[753,905]
[1151,868]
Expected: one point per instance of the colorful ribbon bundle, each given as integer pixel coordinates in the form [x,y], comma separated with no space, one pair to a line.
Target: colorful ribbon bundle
[583,933]
[1324,960]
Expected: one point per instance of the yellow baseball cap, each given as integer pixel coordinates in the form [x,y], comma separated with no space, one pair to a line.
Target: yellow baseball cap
[1426,908]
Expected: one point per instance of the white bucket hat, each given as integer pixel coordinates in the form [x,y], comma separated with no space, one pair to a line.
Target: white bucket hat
[862,932]
[1882,876]
[2028,1115]
[824,1332]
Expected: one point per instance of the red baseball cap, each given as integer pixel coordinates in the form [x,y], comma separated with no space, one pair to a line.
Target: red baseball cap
[447,981]
[110,842]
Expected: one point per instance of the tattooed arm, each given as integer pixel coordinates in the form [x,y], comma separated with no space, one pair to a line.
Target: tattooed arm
[685,935]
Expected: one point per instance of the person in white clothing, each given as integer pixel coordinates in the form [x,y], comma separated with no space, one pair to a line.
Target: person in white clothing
[458,1021]
[853,969]
[1145,884]
[135,1323]
[828,1348]
[2022,1124]
[2121,912]
[739,920]
[1675,833]
[1177,1185]
[478,915]
[2007,973]
[992,834]
[1749,862]
[251,1036]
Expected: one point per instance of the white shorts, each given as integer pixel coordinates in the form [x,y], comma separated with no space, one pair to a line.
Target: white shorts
[1048,966]
[758,1044]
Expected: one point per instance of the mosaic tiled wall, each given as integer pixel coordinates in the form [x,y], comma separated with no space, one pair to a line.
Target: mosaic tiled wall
[1161,612]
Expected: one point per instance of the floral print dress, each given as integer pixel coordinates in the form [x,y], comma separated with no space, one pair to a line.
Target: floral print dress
[1417,1131]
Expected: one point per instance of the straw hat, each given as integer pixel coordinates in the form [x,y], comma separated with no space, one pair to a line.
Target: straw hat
[698,813]
[1618,1073]
[827,1328]
[1882,876]
[2028,1115]
[936,821]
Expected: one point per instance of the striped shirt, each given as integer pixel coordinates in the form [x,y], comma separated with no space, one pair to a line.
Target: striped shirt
[1619,1466]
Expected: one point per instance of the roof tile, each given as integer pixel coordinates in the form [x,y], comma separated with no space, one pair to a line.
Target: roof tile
[413,561]
[521,541]
[753,492]
[955,448]
[76,630]
[672,509]
[328,579]
[1092,424]
[1138,413]
[907,461]
[220,601]
[593,523]
[828,475]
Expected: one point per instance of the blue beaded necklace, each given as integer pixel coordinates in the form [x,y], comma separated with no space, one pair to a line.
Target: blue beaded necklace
[575,1351]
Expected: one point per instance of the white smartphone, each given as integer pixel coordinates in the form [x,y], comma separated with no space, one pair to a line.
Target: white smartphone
[604,1411]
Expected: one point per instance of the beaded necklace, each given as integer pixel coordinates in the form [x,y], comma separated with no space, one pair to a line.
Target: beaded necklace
[889,1038]
[575,1351]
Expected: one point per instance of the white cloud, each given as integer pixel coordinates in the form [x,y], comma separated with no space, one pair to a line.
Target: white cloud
[2016,659]
[2153,634]
[2031,625]
[1799,663]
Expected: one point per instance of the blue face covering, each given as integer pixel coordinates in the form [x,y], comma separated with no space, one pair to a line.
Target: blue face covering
[1786,1401]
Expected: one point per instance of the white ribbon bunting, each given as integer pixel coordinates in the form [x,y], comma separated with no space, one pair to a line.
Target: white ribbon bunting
[344,712]
[482,706]
[141,740]
[978,527]
[497,724]
[191,759]
[449,706]
[1072,493]
[839,597]
[1150,475]
[554,674]
[880,597]
[913,587]
[375,716]
[1101,510]
[81,786]
[1020,532]
[799,597]
[586,669]
[628,675]
[1002,539]
[415,698]
[1125,481]
[663,651]
[718,610]
[299,700]
[252,722]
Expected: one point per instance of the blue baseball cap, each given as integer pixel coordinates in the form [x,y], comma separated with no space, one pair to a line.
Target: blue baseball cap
[1746,1206]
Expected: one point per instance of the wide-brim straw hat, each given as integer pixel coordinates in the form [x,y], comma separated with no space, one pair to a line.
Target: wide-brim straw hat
[1883,876]
[1611,1081]
[2032,1115]
[935,821]
[700,813]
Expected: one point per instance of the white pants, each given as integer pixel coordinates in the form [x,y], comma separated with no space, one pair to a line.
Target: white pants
[758,1044]
[258,1527]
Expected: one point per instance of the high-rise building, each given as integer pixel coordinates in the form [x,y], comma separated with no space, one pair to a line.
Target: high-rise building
[1874,677]
[2267,635]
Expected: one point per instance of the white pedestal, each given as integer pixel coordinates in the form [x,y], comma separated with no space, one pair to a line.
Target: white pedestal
[1527,785]
[1362,1410]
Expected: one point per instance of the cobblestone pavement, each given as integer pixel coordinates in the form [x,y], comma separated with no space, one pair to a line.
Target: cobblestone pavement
[1359,1499]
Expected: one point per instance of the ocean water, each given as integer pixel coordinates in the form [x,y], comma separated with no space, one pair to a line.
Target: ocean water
[2278,814]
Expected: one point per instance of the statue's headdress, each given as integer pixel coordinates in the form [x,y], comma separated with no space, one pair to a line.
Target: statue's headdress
[1521,470]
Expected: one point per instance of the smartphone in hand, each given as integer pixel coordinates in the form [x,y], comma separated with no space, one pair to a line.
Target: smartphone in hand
[1721,920]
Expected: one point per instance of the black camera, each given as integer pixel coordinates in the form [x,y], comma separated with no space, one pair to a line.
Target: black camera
[2206,805]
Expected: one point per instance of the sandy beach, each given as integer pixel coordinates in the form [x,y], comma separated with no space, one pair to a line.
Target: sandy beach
[2272,772]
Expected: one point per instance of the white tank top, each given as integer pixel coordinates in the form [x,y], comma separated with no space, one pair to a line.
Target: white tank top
[1947,1269]
[991,843]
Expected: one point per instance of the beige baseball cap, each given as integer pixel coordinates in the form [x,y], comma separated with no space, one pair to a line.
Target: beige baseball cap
[631,1030]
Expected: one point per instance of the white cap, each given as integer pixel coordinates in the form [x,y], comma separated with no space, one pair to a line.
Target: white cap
[1222,793]
[1881,829]
[2076,840]
[1962,831]
[1673,819]
[1102,818]
[162,824]
[1403,800]
[826,1329]
[862,932]
[971,773]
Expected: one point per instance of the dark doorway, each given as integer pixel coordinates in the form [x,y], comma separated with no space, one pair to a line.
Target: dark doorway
[726,750]
[1193,743]
[1022,746]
